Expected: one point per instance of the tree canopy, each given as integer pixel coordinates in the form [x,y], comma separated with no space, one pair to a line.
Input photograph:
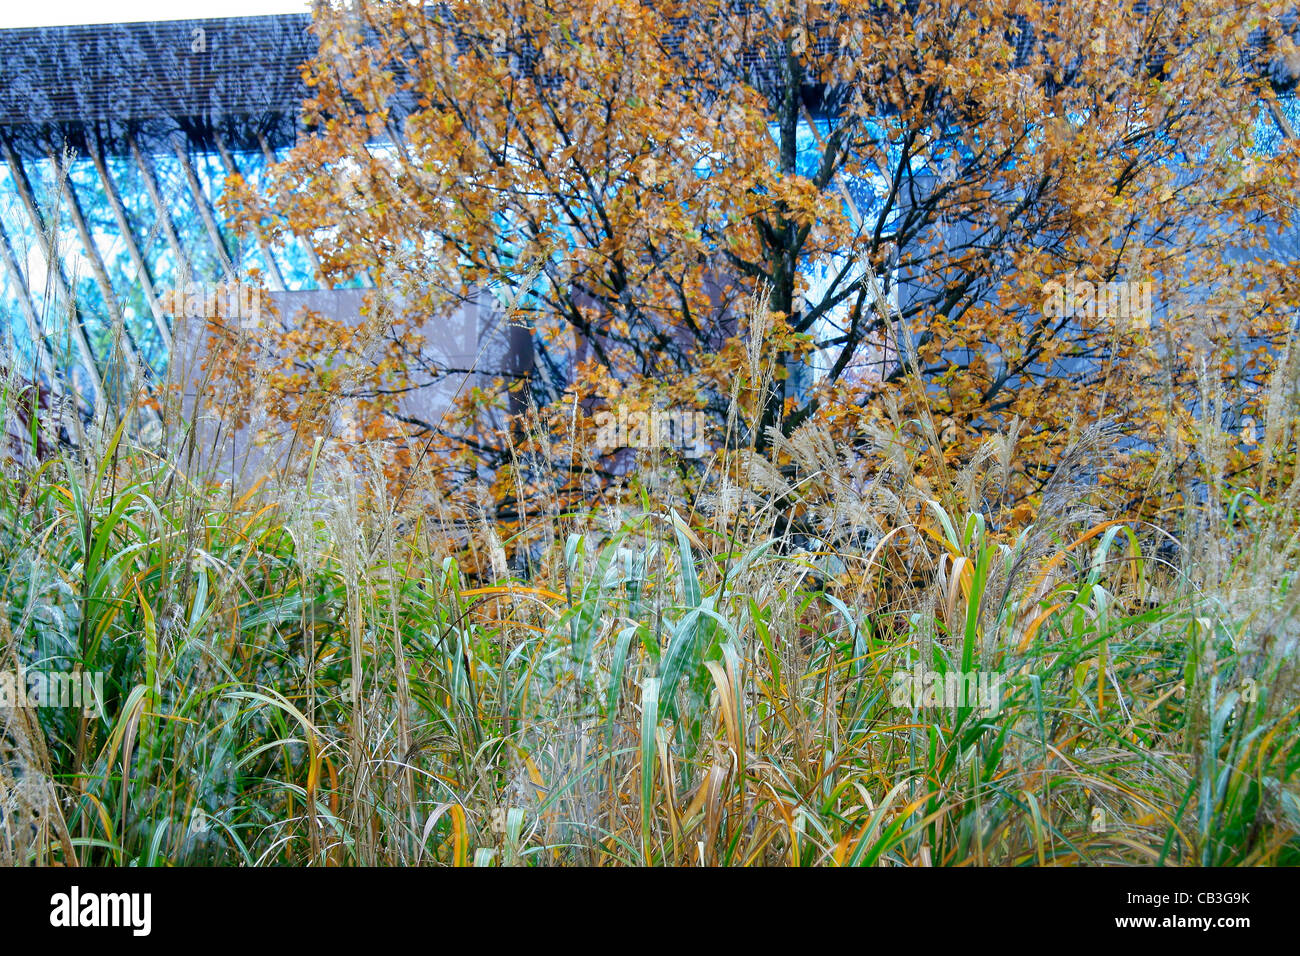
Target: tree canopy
[824,213]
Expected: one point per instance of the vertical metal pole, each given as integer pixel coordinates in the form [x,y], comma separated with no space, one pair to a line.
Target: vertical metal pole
[54,269]
[272,270]
[269,154]
[137,257]
[143,163]
[129,352]
[19,280]
[204,207]
[1283,124]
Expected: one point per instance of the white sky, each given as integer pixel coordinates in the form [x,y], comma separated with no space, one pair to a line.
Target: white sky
[48,13]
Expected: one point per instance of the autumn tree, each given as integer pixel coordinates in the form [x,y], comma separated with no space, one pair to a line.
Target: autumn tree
[943,205]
